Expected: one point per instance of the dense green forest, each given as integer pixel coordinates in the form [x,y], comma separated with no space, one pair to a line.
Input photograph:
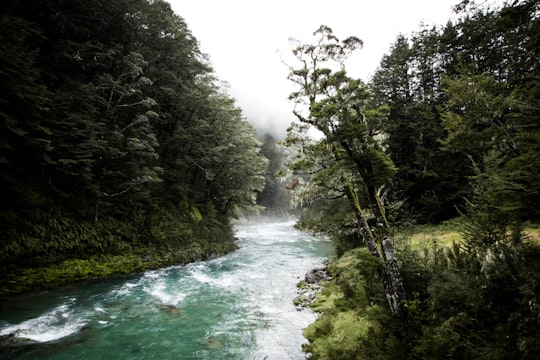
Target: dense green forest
[446,130]
[120,151]
[119,148]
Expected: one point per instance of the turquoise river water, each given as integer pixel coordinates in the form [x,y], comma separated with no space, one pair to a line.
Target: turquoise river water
[239,306]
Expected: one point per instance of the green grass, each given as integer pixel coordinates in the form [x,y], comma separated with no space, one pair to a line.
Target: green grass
[419,237]
[533,233]
[444,236]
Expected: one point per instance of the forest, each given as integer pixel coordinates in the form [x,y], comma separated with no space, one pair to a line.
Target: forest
[446,132]
[121,151]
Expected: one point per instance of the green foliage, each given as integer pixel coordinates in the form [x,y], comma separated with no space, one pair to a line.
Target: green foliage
[462,130]
[466,303]
[337,108]
[469,300]
[350,160]
[477,307]
[354,321]
[130,261]
[273,198]
[456,93]
[114,135]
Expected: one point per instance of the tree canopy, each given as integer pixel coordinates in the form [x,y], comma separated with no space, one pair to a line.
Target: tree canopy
[457,93]
[447,129]
[114,133]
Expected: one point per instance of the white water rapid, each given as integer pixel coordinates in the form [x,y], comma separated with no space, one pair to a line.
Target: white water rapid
[239,306]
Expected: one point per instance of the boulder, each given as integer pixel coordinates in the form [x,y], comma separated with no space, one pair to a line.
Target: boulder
[316,275]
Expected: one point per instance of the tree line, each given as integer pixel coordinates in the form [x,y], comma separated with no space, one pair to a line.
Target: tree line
[115,135]
[447,128]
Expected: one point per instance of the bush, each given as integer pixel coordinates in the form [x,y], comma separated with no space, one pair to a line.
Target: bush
[355,322]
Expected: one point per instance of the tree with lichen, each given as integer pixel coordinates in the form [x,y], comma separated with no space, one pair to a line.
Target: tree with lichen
[349,160]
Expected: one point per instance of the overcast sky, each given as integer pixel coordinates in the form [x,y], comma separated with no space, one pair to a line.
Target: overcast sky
[246,40]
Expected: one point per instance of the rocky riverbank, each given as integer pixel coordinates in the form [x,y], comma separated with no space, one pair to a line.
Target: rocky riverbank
[310,287]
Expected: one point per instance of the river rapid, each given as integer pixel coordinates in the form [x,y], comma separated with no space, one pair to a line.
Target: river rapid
[239,306]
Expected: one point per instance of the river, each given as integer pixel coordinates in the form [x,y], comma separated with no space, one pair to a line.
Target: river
[239,306]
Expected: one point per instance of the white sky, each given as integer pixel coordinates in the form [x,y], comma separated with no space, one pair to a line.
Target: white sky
[246,39]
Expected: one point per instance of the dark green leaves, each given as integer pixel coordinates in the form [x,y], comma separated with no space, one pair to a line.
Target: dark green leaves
[110,113]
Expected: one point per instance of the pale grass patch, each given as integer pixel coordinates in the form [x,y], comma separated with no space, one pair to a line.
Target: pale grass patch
[533,233]
[446,234]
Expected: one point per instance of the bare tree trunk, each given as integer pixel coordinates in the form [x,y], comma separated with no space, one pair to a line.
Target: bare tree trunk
[392,269]
[364,226]
[389,272]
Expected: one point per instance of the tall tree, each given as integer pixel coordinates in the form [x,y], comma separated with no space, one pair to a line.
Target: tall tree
[350,152]
[274,197]
[430,180]
[114,133]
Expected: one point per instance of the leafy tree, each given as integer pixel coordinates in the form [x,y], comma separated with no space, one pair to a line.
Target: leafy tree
[115,136]
[462,129]
[24,106]
[413,80]
[236,173]
[273,198]
[348,161]
[491,125]
[430,180]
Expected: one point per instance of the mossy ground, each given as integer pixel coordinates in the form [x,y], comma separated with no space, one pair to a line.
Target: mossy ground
[108,266]
[350,321]
[354,321]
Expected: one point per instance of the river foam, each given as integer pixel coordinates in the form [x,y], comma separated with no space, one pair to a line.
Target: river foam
[52,325]
[239,306]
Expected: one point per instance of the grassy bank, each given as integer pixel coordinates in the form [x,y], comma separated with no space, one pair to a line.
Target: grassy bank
[419,237]
[455,301]
[109,266]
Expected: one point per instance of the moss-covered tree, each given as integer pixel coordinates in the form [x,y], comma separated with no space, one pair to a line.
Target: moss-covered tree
[352,162]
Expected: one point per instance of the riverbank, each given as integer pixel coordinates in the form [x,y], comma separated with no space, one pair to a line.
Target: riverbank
[308,289]
[448,286]
[237,306]
[109,266]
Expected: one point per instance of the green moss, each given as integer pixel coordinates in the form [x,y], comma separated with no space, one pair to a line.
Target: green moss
[327,298]
[196,214]
[353,321]
[340,336]
[107,266]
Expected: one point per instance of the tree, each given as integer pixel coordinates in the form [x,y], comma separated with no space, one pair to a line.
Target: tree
[233,166]
[274,197]
[114,134]
[349,160]
[429,180]
[24,107]
[462,128]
